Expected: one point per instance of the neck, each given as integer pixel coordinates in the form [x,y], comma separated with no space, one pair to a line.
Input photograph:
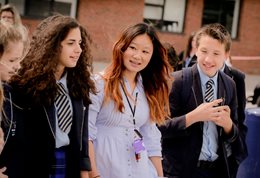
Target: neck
[131,78]
[58,73]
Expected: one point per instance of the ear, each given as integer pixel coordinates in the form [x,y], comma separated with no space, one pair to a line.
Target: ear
[196,51]
[227,54]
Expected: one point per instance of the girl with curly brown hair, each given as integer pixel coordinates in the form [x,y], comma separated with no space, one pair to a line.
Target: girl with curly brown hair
[132,97]
[54,79]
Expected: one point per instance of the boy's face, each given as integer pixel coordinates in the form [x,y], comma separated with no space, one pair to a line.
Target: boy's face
[210,55]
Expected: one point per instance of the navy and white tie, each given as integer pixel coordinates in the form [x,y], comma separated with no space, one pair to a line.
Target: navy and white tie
[64,110]
[209,93]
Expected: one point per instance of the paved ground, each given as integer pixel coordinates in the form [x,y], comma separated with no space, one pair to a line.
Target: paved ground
[251,81]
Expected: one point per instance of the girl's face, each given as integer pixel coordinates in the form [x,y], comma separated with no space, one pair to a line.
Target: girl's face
[70,50]
[138,54]
[7,16]
[211,55]
[10,60]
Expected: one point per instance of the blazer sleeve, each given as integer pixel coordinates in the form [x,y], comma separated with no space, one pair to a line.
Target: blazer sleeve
[238,143]
[176,125]
[85,160]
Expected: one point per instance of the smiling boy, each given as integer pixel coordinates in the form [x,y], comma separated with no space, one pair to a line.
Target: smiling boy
[202,139]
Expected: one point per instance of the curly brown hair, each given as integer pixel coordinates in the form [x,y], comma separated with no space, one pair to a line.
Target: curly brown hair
[155,75]
[36,74]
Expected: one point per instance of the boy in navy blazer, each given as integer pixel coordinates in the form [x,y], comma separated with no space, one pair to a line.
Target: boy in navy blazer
[203,140]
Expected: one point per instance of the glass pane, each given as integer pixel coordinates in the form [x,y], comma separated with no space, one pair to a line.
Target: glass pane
[61,7]
[2,2]
[222,11]
[166,17]
[174,14]
[19,4]
[157,2]
[47,8]
[152,12]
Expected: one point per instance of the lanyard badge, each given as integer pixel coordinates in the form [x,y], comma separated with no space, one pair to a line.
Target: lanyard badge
[138,145]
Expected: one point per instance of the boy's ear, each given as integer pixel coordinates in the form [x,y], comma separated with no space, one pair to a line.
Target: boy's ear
[227,54]
[196,50]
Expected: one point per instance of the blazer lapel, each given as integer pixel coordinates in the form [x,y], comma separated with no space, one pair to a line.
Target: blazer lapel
[51,118]
[197,85]
[221,88]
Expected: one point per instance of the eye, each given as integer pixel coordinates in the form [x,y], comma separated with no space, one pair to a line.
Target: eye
[216,54]
[132,47]
[146,52]
[203,51]
[12,60]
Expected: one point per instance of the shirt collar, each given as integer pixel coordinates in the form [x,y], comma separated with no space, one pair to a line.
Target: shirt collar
[204,78]
[63,80]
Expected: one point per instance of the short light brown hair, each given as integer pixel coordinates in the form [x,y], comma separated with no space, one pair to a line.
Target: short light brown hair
[215,31]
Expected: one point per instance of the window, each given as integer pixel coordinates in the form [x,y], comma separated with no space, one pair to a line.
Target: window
[44,8]
[225,12]
[166,15]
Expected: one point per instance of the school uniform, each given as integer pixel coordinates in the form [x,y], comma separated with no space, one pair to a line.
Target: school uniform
[36,137]
[182,146]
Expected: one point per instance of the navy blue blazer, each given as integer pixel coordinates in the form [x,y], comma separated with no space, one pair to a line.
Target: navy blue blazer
[181,146]
[33,142]
[239,79]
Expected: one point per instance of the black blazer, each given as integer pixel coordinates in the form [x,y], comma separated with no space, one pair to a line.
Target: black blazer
[239,79]
[34,139]
[181,63]
[181,145]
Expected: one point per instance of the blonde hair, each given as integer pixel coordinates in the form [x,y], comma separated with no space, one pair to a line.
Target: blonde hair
[14,11]
[10,33]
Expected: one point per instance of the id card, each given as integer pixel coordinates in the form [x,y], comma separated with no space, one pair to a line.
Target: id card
[138,146]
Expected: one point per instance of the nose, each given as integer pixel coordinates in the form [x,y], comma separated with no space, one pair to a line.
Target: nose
[78,48]
[207,58]
[137,54]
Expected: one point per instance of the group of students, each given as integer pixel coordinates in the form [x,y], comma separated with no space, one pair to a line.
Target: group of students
[134,119]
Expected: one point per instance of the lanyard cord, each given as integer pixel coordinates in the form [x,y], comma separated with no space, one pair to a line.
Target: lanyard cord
[132,110]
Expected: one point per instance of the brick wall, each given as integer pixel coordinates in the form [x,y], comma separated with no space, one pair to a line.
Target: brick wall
[247,64]
[105,19]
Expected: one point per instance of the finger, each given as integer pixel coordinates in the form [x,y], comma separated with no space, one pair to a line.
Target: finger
[216,102]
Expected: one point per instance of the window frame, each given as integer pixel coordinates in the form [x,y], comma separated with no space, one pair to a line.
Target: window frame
[235,18]
[25,5]
[161,23]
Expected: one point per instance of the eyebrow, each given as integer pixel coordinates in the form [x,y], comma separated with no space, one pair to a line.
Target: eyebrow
[146,47]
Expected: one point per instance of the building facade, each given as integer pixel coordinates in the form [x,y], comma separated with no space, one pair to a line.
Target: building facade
[175,20]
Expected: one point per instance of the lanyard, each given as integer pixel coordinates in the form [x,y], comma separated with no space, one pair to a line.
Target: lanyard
[129,104]
[132,110]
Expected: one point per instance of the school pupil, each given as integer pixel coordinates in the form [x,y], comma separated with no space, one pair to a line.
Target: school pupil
[203,139]
[54,78]
[9,14]
[12,48]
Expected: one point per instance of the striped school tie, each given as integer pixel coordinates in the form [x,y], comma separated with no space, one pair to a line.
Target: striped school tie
[209,93]
[64,111]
